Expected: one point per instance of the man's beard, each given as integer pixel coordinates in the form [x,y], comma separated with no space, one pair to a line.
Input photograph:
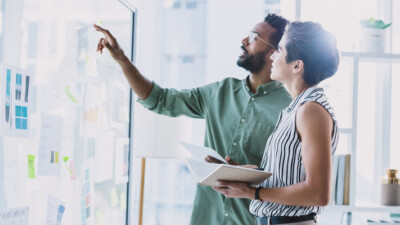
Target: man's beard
[254,62]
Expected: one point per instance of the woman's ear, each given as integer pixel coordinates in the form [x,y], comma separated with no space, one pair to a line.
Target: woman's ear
[298,66]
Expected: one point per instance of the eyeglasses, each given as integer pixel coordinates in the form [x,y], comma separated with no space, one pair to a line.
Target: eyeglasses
[253,35]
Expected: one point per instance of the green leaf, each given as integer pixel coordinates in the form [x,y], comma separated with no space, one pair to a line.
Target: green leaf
[373,23]
[386,26]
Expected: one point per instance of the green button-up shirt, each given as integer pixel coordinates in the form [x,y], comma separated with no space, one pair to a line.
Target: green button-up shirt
[238,124]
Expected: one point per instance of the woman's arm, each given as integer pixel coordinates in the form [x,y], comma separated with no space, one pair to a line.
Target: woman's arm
[315,127]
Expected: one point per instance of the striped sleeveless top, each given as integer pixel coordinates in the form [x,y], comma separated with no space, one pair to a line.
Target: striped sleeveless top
[283,158]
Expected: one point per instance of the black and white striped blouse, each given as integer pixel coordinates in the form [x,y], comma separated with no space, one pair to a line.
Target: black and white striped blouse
[282,156]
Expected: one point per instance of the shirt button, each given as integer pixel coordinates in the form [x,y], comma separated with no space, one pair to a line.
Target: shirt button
[234,143]
[265,92]
[226,214]
[242,120]
[252,99]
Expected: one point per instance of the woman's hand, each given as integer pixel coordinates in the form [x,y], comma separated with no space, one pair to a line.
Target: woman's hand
[233,189]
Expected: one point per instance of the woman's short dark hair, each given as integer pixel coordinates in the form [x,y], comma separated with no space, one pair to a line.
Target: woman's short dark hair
[279,23]
[316,47]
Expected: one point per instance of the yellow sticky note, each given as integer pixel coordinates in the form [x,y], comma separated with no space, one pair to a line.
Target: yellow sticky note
[56,157]
[114,197]
[123,200]
[31,166]
[100,217]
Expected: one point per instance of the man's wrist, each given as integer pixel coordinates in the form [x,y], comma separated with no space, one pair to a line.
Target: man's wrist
[123,59]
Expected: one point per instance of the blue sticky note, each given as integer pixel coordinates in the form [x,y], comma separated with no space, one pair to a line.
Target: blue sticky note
[24,112]
[87,212]
[86,174]
[18,110]
[18,123]
[24,124]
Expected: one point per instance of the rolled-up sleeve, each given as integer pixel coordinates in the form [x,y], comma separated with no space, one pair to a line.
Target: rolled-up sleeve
[171,102]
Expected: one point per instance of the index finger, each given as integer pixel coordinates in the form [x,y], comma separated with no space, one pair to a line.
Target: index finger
[102,30]
[106,33]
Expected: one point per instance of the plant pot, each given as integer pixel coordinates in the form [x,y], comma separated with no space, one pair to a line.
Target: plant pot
[372,40]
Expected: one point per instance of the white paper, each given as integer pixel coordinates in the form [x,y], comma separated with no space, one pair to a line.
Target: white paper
[121,160]
[15,101]
[55,211]
[87,192]
[90,122]
[49,157]
[103,156]
[119,107]
[15,216]
[200,152]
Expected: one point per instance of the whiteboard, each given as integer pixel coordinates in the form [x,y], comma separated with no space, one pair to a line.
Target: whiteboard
[65,113]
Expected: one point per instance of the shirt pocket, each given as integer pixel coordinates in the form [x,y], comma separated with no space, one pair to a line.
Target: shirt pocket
[255,139]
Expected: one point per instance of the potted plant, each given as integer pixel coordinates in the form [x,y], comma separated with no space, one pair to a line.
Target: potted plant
[373,35]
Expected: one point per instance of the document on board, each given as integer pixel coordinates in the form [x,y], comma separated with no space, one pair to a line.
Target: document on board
[209,173]
[49,156]
[15,216]
[55,211]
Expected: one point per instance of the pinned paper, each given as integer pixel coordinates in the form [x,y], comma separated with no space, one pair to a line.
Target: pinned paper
[15,216]
[72,170]
[55,211]
[121,160]
[50,145]
[31,166]
[87,192]
[70,164]
[123,201]
[114,197]
[16,101]
[100,217]
[103,156]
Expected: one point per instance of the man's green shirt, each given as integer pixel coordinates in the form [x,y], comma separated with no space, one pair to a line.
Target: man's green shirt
[238,124]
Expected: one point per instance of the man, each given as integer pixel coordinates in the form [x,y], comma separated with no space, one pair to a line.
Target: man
[240,114]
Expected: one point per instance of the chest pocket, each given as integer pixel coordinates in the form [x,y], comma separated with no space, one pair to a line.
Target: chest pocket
[255,139]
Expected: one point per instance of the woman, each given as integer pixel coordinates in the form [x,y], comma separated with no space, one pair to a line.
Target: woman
[299,152]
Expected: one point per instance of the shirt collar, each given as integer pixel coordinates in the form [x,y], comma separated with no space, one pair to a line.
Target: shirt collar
[300,98]
[262,89]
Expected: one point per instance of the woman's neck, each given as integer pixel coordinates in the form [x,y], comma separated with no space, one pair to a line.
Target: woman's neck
[296,89]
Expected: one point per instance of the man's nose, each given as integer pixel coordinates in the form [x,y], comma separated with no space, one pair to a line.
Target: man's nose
[245,41]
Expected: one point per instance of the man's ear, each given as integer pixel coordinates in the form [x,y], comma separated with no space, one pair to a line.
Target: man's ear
[298,66]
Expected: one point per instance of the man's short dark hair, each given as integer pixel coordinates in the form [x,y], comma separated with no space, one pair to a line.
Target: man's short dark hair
[316,47]
[279,23]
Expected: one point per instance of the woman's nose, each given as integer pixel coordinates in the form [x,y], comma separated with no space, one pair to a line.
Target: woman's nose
[272,57]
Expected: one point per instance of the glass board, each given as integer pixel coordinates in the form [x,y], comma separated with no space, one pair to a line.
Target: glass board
[65,111]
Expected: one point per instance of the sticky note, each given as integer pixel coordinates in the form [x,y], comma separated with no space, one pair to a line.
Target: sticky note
[31,166]
[114,197]
[70,96]
[72,170]
[123,200]
[56,157]
[100,217]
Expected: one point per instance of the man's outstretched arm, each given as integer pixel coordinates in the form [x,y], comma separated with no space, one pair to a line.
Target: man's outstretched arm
[139,84]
